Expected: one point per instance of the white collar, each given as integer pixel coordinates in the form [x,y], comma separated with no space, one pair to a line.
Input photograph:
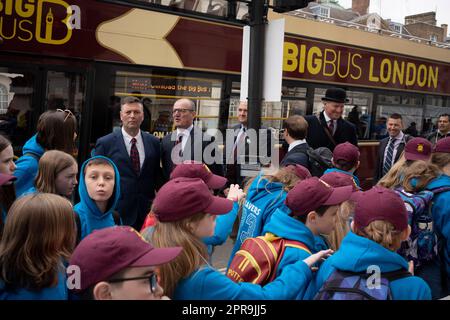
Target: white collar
[185,132]
[327,118]
[128,137]
[296,143]
[399,136]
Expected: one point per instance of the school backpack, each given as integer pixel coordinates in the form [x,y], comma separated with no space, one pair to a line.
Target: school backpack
[424,244]
[346,285]
[258,258]
[319,160]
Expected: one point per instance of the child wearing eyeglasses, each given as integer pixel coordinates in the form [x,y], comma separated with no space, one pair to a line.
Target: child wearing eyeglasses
[116,263]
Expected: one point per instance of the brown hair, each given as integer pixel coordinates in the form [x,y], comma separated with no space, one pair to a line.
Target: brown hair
[344,165]
[39,236]
[50,165]
[56,130]
[296,126]
[192,257]
[7,192]
[383,233]
[421,172]
[440,159]
[96,162]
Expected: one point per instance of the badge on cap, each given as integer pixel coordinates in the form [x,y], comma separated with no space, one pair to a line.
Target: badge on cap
[420,147]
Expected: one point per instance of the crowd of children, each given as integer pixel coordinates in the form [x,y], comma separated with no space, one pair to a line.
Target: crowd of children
[300,237]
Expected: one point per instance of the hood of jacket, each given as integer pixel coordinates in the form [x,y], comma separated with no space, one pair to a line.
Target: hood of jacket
[86,204]
[32,146]
[357,253]
[283,225]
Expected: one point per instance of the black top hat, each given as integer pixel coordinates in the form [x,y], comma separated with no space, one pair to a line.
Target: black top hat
[335,95]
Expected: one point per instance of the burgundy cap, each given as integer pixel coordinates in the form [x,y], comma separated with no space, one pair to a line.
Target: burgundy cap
[183,197]
[300,171]
[312,193]
[380,203]
[4,178]
[196,169]
[107,251]
[340,179]
[347,152]
[418,149]
[442,145]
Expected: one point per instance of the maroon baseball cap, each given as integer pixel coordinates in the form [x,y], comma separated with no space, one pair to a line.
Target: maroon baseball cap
[418,149]
[300,171]
[312,193]
[184,197]
[380,203]
[347,152]
[442,145]
[107,251]
[4,178]
[340,179]
[196,169]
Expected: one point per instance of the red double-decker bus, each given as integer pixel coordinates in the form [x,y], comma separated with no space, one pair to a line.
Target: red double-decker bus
[85,55]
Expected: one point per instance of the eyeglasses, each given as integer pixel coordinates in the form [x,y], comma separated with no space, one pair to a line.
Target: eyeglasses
[181,110]
[68,113]
[152,280]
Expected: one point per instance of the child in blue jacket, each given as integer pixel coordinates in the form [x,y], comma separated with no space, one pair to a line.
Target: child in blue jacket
[345,160]
[99,190]
[37,241]
[380,225]
[186,211]
[265,194]
[314,205]
[441,216]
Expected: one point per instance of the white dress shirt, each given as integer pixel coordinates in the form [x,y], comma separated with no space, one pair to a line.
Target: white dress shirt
[296,143]
[185,133]
[398,139]
[139,145]
[328,119]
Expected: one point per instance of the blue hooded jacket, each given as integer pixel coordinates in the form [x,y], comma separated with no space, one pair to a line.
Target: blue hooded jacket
[355,178]
[91,217]
[441,214]
[209,284]
[28,165]
[356,254]
[287,227]
[58,292]
[263,198]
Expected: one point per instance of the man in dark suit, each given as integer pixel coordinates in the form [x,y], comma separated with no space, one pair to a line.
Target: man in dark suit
[136,154]
[391,147]
[240,150]
[188,142]
[329,129]
[295,130]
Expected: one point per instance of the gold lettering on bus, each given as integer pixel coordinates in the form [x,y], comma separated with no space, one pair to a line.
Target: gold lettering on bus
[35,19]
[310,60]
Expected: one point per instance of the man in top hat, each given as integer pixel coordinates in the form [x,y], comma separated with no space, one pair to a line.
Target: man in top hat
[328,129]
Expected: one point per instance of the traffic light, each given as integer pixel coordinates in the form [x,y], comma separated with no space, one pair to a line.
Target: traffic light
[289,5]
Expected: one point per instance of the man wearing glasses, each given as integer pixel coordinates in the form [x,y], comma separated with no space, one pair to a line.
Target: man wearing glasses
[103,276]
[187,142]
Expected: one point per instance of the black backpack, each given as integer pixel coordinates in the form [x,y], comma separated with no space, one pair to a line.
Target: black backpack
[319,160]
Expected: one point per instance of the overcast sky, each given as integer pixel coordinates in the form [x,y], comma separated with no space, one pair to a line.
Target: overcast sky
[396,10]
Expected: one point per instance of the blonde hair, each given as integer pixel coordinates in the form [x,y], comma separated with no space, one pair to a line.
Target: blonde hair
[39,235]
[50,165]
[383,233]
[440,159]
[342,226]
[394,176]
[422,172]
[192,257]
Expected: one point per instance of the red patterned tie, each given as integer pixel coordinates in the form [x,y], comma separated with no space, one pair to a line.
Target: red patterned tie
[134,155]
